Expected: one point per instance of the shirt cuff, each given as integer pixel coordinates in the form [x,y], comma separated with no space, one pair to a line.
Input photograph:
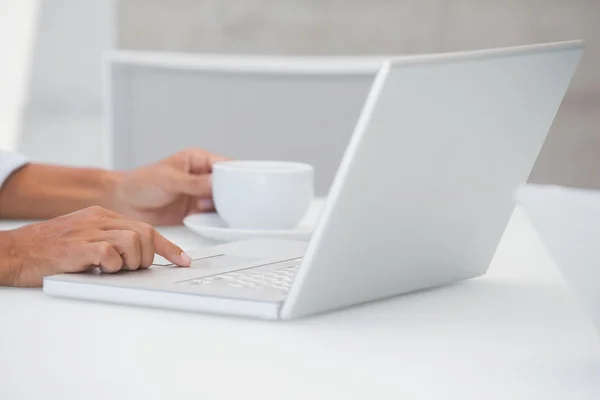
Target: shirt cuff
[9,163]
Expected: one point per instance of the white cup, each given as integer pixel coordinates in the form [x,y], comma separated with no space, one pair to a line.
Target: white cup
[269,195]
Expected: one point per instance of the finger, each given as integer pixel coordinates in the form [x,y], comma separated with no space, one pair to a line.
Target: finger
[171,251]
[199,205]
[188,184]
[104,255]
[201,161]
[145,239]
[146,234]
[205,205]
[161,245]
[128,244]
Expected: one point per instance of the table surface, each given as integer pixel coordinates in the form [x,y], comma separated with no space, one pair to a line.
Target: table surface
[516,333]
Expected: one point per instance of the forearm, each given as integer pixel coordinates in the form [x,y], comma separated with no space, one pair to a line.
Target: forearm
[39,191]
[9,264]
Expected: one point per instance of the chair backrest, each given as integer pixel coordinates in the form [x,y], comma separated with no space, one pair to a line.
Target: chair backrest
[246,107]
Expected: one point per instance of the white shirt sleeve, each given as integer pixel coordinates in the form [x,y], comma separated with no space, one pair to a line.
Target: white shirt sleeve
[9,162]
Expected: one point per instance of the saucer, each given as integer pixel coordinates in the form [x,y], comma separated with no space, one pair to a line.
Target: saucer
[212,226]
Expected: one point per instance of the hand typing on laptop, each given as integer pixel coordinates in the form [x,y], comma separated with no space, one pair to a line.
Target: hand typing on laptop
[80,240]
[102,208]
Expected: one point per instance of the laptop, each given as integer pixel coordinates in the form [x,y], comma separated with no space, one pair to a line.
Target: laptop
[421,197]
[567,220]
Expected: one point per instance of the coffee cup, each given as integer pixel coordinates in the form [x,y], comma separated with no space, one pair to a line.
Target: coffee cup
[267,195]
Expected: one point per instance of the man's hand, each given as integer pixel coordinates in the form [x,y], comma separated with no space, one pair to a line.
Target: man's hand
[166,192]
[159,194]
[93,237]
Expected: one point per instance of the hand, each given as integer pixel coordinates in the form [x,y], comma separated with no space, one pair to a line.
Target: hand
[166,192]
[92,237]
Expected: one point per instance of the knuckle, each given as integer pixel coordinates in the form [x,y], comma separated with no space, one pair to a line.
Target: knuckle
[131,237]
[147,229]
[147,258]
[131,267]
[108,270]
[105,249]
[147,261]
[96,210]
[132,257]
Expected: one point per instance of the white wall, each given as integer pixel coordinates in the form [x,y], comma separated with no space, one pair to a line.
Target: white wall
[63,101]
[65,83]
[571,154]
[17,28]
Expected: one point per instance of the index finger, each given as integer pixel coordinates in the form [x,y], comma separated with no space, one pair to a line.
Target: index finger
[201,161]
[170,251]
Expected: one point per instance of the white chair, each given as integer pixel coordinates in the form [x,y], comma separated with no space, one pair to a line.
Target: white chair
[301,109]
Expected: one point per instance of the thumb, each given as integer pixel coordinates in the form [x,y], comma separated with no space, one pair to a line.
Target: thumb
[170,251]
[190,184]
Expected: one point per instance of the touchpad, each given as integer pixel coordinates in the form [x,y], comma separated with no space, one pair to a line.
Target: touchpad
[222,260]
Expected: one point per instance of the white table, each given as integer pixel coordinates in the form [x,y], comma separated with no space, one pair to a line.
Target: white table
[517,333]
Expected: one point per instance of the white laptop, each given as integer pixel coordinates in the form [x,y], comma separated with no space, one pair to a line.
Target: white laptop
[421,198]
[567,221]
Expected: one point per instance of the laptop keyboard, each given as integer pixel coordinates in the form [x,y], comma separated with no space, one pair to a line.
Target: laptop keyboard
[252,278]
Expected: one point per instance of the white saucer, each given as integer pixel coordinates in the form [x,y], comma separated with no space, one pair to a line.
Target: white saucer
[211,226]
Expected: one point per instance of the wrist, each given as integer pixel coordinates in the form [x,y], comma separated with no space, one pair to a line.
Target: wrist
[10,262]
[110,188]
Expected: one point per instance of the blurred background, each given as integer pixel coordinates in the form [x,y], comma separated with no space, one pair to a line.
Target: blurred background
[51,57]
